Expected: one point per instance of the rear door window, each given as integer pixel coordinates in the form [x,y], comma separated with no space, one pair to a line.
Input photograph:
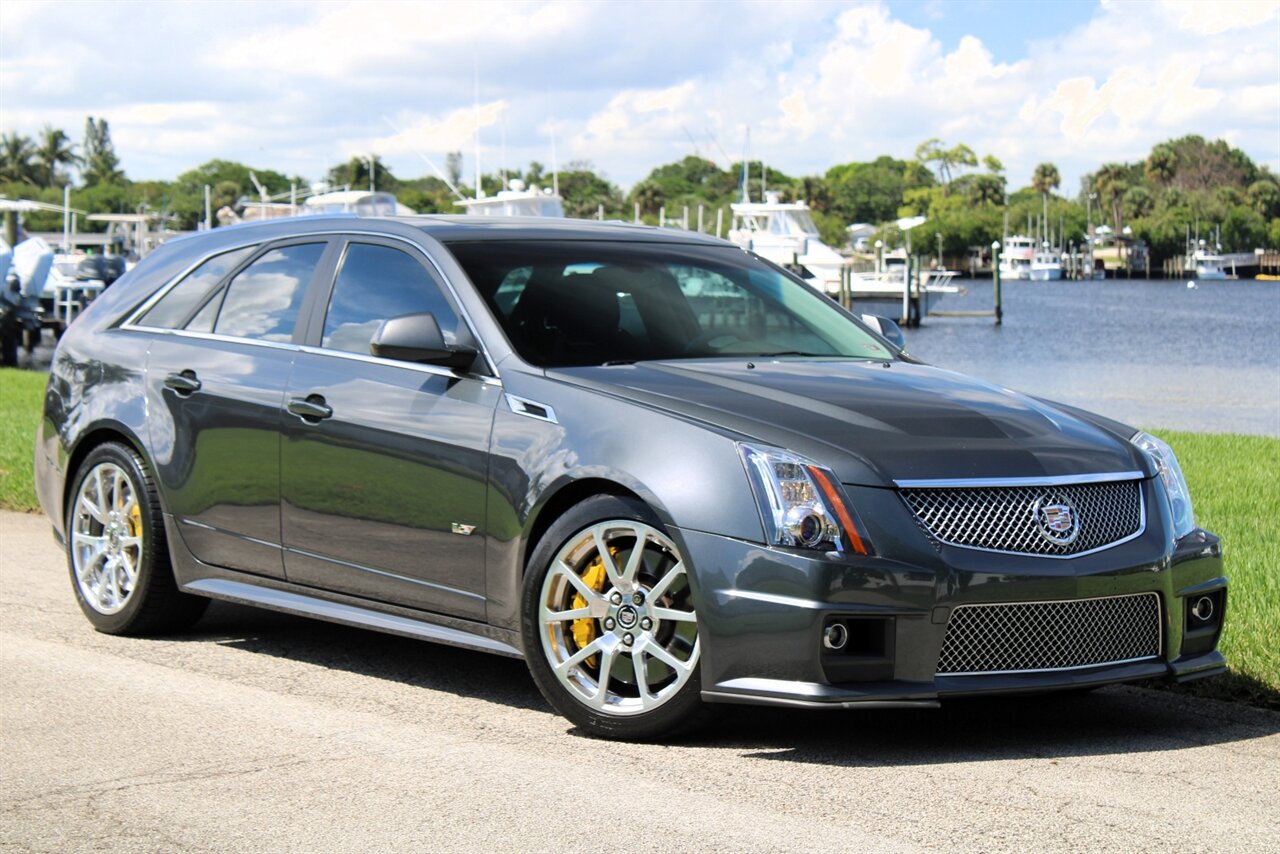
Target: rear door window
[173,309]
[263,300]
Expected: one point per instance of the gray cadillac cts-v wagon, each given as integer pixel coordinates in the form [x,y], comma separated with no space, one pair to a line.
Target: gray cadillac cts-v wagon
[659,469]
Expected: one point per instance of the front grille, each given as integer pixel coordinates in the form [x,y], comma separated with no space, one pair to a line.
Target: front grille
[1024,636]
[1010,518]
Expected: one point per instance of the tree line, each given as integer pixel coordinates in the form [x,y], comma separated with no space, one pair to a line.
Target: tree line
[1183,183]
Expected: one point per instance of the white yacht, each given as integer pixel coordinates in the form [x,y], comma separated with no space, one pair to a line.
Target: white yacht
[784,233]
[1046,264]
[1017,252]
[517,200]
[1205,264]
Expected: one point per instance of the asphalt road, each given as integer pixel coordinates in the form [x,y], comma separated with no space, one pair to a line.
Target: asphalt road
[262,732]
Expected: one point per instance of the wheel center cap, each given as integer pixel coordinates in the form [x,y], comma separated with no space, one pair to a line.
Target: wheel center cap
[627,617]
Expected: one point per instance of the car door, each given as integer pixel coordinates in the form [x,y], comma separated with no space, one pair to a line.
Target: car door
[384,463]
[215,386]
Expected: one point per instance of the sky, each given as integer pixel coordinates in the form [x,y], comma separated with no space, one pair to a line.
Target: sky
[802,84]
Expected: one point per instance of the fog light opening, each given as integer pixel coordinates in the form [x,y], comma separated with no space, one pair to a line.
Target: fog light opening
[835,636]
[1202,610]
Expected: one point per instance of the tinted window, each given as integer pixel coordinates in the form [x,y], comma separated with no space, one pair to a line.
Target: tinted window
[573,303]
[262,301]
[377,283]
[176,306]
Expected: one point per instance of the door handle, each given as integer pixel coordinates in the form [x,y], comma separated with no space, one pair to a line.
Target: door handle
[311,409]
[184,383]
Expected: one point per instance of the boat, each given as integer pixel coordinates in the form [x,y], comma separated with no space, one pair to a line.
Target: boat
[517,200]
[784,233]
[1046,264]
[1016,256]
[1118,253]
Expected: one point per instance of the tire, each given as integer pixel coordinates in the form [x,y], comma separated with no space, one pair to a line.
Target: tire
[634,620]
[117,552]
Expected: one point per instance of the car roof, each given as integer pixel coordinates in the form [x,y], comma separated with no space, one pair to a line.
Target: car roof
[459,228]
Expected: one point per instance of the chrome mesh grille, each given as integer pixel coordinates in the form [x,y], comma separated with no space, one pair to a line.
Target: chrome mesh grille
[1050,635]
[1002,518]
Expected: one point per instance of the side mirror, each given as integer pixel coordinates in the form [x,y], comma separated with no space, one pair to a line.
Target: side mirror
[887,328]
[417,338]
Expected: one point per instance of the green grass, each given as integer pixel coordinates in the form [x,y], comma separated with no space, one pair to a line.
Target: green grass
[21,396]
[1233,485]
[1234,490]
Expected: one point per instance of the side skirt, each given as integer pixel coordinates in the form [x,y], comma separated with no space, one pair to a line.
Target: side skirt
[215,582]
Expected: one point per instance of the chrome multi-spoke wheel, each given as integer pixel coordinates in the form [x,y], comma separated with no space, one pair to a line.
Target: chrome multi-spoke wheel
[610,624]
[117,551]
[617,623]
[106,538]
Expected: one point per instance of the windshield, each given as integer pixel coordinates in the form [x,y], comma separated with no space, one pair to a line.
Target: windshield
[577,303]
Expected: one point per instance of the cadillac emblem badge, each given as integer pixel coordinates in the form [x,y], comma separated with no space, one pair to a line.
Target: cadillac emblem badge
[1056,519]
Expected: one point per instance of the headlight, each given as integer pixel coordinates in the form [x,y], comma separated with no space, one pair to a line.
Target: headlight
[1175,485]
[801,503]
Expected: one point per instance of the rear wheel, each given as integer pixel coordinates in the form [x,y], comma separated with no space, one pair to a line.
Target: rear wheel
[610,629]
[117,551]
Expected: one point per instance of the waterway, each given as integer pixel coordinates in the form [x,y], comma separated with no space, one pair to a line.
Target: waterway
[1153,354]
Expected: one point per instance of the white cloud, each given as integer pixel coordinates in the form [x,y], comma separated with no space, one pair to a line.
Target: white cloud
[300,86]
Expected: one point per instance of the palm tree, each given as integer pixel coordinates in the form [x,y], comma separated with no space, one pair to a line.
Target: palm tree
[1110,182]
[1046,178]
[1162,164]
[15,159]
[55,149]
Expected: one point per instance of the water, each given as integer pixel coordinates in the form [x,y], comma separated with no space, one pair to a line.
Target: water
[1152,354]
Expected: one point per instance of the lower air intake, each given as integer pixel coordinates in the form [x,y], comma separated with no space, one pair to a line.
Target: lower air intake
[1033,636]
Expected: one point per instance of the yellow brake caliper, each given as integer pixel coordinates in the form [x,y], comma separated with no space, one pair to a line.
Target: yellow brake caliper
[135,521]
[584,630]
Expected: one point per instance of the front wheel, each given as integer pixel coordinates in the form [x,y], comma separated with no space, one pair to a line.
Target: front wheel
[610,629]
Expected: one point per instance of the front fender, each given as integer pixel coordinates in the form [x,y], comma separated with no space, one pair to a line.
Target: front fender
[690,475]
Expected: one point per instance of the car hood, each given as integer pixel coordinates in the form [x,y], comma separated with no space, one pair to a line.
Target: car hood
[874,423]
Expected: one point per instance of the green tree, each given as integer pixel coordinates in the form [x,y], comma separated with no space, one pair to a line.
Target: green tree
[986,190]
[993,164]
[584,192]
[1111,182]
[648,195]
[16,154]
[1264,196]
[1161,164]
[101,165]
[453,167]
[1046,178]
[355,174]
[54,151]
[946,160]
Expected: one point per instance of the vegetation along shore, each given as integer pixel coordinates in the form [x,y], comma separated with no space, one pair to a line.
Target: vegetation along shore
[1182,184]
[1230,478]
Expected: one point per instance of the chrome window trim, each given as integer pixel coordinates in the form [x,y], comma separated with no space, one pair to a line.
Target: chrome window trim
[1037,482]
[1060,480]
[434,370]
[131,322]
[229,339]
[1160,615]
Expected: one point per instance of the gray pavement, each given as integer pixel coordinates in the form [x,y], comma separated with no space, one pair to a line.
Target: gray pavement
[262,732]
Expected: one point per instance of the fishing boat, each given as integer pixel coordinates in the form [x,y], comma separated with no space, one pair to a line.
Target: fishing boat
[1046,264]
[1016,256]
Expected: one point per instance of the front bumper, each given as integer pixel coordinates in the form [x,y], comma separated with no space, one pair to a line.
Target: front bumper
[762,612]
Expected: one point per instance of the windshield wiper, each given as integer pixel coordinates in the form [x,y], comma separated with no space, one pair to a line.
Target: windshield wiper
[612,362]
[792,353]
